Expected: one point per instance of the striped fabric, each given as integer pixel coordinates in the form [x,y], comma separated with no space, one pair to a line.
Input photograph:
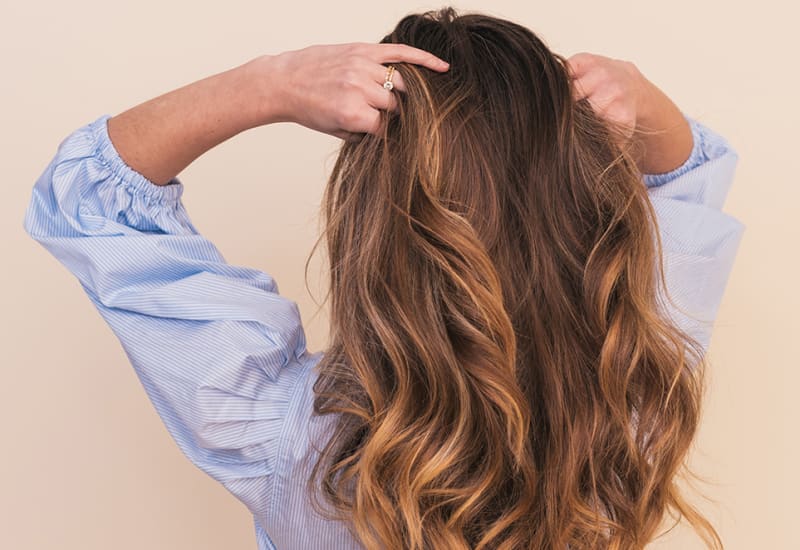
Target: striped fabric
[222,355]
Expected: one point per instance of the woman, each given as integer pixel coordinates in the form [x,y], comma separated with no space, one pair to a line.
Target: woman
[511,364]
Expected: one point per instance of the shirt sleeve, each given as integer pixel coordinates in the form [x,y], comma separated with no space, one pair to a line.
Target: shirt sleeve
[699,240]
[214,345]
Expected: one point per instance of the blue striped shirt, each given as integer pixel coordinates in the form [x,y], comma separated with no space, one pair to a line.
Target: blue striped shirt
[222,355]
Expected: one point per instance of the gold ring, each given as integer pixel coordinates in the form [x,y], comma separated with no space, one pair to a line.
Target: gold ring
[388,82]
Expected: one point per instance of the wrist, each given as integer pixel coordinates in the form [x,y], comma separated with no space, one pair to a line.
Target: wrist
[662,130]
[265,89]
[647,100]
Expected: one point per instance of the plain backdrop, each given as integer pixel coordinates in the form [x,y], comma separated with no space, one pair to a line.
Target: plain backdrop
[87,464]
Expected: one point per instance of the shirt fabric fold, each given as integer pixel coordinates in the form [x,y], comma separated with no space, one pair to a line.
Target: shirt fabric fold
[222,355]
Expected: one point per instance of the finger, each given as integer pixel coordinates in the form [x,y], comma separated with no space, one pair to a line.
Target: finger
[579,63]
[397,78]
[381,98]
[403,52]
[368,122]
[587,84]
[601,104]
[580,89]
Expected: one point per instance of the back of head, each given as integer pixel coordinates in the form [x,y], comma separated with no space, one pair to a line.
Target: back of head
[503,375]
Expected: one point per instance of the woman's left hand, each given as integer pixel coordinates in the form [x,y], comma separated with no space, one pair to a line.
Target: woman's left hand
[338,89]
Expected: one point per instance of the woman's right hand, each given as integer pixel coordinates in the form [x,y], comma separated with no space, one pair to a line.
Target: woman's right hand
[338,89]
[615,88]
[620,93]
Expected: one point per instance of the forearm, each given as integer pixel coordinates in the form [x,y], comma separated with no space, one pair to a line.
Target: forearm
[664,135]
[160,137]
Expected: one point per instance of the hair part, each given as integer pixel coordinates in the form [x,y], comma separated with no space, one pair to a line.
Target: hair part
[502,370]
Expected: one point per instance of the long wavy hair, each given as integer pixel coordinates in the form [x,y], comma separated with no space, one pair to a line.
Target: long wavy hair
[499,358]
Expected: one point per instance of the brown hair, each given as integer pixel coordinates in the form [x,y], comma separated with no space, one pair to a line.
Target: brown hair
[502,370]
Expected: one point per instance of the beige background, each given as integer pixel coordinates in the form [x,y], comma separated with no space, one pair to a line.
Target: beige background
[87,464]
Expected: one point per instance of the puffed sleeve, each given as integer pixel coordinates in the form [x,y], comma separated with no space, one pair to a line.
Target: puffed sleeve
[699,240]
[214,345]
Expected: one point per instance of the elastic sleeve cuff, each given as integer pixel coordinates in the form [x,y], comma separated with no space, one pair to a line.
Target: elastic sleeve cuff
[106,153]
[706,144]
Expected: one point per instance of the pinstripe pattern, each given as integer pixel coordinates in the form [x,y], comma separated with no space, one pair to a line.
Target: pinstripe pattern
[222,355]
[700,241]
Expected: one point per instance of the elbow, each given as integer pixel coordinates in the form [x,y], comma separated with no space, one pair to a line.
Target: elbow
[38,222]
[45,215]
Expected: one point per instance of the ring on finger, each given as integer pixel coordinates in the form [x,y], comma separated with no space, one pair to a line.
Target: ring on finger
[387,83]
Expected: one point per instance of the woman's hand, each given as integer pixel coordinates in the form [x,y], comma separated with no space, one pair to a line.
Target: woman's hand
[338,89]
[335,89]
[620,93]
[613,87]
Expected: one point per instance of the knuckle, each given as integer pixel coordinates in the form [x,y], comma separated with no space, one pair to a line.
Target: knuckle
[350,116]
[631,67]
[353,51]
[630,112]
[339,109]
[340,120]
[356,47]
[614,88]
[349,77]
